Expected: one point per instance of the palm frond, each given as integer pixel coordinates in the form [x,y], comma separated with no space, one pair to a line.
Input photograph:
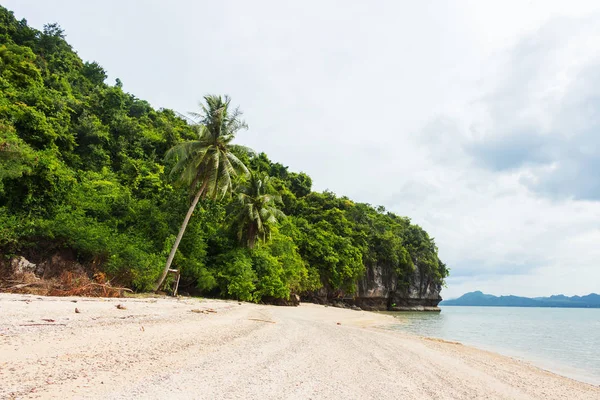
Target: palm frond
[257,213]
[238,164]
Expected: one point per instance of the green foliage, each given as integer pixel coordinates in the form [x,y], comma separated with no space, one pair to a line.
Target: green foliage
[270,272]
[424,252]
[16,157]
[17,66]
[256,211]
[86,166]
[207,164]
[235,274]
[280,269]
[14,227]
[274,269]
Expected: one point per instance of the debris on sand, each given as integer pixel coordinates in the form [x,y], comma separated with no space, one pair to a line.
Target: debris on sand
[261,320]
[205,311]
[67,284]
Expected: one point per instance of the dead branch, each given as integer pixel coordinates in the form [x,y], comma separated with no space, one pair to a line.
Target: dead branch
[261,320]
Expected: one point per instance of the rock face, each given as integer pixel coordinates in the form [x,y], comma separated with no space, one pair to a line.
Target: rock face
[50,266]
[20,266]
[380,289]
[294,301]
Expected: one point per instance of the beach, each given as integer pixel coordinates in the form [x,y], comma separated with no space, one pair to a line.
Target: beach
[158,348]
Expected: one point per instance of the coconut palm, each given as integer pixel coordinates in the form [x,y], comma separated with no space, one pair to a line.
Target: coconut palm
[257,209]
[207,164]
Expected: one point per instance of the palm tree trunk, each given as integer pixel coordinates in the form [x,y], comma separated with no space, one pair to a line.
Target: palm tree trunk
[251,235]
[180,235]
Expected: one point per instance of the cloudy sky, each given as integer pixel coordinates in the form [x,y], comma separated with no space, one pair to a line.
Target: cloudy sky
[479,120]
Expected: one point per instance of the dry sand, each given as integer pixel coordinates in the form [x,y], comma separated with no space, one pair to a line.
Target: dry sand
[160,349]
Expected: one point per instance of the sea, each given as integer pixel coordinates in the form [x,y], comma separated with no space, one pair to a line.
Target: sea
[562,340]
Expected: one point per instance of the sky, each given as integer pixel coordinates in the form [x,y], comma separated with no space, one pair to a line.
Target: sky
[479,120]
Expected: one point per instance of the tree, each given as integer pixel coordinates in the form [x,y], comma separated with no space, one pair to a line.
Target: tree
[257,210]
[82,167]
[207,165]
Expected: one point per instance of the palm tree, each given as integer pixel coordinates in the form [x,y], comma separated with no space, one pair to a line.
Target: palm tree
[257,210]
[207,164]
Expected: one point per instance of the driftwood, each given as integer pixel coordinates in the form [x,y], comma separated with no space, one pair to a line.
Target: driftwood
[21,286]
[112,287]
[261,320]
[205,311]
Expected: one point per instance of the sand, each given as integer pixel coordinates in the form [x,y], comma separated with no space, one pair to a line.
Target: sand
[161,349]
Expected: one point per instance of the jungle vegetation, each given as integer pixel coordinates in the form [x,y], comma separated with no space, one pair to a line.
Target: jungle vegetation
[134,190]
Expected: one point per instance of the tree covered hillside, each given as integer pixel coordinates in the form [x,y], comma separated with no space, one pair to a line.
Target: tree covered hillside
[87,167]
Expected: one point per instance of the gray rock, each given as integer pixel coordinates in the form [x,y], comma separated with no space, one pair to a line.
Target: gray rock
[20,265]
[381,289]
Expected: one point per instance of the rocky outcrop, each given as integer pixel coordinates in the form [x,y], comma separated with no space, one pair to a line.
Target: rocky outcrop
[381,289]
[294,301]
[20,265]
[50,266]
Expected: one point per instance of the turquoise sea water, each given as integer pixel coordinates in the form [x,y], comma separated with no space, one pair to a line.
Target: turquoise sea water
[563,340]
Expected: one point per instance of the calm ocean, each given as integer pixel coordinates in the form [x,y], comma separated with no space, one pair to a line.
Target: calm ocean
[563,340]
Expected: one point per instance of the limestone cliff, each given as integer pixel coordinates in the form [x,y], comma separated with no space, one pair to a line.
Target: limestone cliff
[381,289]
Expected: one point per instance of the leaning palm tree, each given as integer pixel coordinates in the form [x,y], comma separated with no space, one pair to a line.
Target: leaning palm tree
[257,209]
[207,164]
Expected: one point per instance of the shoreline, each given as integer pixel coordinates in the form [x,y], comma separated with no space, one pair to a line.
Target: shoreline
[174,348]
[544,364]
[539,363]
[562,367]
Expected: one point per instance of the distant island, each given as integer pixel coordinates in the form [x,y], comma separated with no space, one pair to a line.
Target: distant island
[478,298]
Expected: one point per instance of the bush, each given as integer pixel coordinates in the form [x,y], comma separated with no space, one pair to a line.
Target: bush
[236,277]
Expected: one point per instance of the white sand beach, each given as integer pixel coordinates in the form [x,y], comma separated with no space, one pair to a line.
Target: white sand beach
[210,349]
